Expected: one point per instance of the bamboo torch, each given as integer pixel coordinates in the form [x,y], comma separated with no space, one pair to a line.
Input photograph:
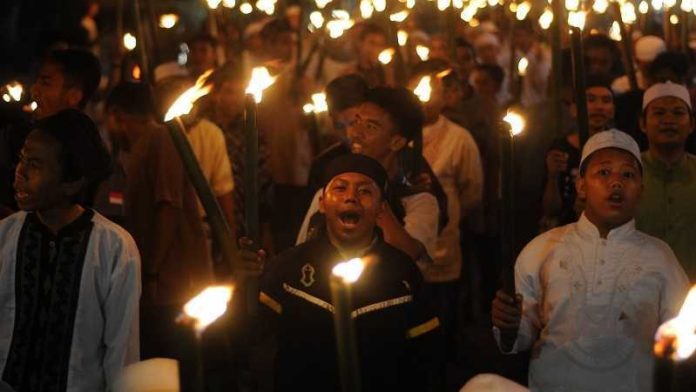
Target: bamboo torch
[343,276]
[260,80]
[177,130]
[514,125]
[675,343]
[577,22]
[628,46]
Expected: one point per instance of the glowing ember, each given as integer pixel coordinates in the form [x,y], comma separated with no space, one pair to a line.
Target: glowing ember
[515,121]
[136,72]
[208,306]
[546,18]
[679,334]
[349,271]
[15,91]
[167,21]
[423,89]
[522,66]
[129,41]
[184,103]
[402,37]
[319,103]
[423,52]
[261,79]
[385,57]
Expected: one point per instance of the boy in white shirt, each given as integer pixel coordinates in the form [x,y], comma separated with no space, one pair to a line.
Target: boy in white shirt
[591,294]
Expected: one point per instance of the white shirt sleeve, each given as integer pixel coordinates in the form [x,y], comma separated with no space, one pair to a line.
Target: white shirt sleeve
[470,176]
[421,220]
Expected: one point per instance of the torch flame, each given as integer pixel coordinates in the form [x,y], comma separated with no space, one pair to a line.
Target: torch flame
[6,98]
[319,103]
[316,19]
[577,19]
[167,21]
[129,41]
[423,89]
[600,6]
[522,66]
[679,334]
[322,3]
[379,5]
[628,13]
[213,4]
[261,79]
[385,57]
[515,121]
[349,271]
[246,8]
[423,52]
[208,306]
[184,103]
[643,7]
[366,9]
[523,10]
[399,16]
[402,37]
[339,25]
[228,3]
[15,91]
[545,19]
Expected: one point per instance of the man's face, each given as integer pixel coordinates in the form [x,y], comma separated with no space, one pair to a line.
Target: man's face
[229,98]
[373,133]
[370,47]
[600,108]
[51,92]
[667,122]
[599,61]
[439,49]
[344,119]
[484,84]
[611,187]
[38,180]
[488,53]
[351,203]
[465,62]
[202,57]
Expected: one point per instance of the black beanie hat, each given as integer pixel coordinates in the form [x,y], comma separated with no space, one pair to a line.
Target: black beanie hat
[357,163]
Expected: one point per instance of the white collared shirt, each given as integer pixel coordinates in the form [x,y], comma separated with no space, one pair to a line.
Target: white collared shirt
[591,306]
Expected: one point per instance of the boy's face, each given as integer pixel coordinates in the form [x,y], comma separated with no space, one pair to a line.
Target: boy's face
[611,187]
[373,133]
[600,107]
[667,122]
[38,183]
[51,93]
[351,203]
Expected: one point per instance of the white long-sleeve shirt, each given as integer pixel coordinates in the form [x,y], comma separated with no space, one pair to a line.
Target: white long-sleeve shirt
[591,306]
[454,157]
[105,335]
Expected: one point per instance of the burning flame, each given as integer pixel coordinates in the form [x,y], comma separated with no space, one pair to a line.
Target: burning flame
[14,91]
[577,19]
[522,66]
[319,102]
[643,7]
[246,8]
[6,97]
[523,10]
[468,13]
[546,18]
[423,89]
[379,5]
[670,3]
[628,13]
[228,3]
[184,103]
[673,19]
[657,4]
[340,24]
[261,79]
[213,4]
[515,121]
[267,6]
[316,19]
[686,6]
[458,4]
[33,105]
[423,52]
[366,9]
[572,5]
[600,6]
[399,16]
[385,57]
[322,3]
[677,337]
[349,271]
[136,72]
[410,4]
[167,21]
[615,32]
[402,37]
[208,306]
[129,41]
[443,4]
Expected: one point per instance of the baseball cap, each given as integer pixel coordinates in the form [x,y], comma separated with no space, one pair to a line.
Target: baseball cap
[668,89]
[612,138]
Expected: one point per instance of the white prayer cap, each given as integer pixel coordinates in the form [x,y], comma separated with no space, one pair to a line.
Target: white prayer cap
[612,138]
[486,39]
[667,89]
[169,69]
[492,383]
[648,47]
[153,375]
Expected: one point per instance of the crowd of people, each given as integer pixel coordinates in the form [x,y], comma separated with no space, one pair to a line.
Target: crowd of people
[103,238]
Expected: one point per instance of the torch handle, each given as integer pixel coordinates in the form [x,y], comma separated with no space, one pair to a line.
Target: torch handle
[218,225]
[580,85]
[556,59]
[507,233]
[628,46]
[251,193]
[346,344]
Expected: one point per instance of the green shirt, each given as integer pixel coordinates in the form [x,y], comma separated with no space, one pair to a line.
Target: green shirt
[667,209]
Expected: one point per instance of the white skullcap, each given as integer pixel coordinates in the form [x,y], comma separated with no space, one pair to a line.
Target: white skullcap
[612,138]
[486,39]
[169,69]
[492,383]
[157,374]
[667,89]
[648,47]
[488,27]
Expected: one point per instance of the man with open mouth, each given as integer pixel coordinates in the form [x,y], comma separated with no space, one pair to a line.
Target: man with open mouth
[397,331]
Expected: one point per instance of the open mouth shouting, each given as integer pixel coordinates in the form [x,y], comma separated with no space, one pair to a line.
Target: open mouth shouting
[350,219]
[616,199]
